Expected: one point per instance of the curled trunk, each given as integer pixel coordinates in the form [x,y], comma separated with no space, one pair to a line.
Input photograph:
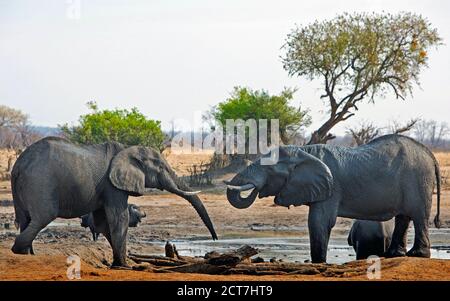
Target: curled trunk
[235,199]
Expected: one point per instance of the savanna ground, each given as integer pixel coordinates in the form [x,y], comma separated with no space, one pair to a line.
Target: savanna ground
[172,218]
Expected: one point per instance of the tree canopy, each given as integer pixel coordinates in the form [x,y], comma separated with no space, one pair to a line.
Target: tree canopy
[129,127]
[15,129]
[10,117]
[358,57]
[245,104]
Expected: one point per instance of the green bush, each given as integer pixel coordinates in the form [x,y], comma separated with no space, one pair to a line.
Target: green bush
[128,127]
[245,104]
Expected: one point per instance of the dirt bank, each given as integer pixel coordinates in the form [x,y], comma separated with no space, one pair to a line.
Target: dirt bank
[53,267]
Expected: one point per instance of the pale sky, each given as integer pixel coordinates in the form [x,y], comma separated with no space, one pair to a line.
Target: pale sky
[173,58]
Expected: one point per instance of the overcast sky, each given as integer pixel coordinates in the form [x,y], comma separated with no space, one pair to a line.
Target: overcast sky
[173,58]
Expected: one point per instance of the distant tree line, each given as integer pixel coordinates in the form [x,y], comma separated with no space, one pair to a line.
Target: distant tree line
[432,133]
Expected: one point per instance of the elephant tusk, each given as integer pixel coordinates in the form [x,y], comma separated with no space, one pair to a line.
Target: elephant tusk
[190,192]
[241,188]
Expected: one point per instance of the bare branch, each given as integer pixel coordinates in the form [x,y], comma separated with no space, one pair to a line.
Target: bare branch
[364,134]
[405,128]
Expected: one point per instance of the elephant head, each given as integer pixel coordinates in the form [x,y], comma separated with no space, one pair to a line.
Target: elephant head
[136,214]
[297,178]
[137,170]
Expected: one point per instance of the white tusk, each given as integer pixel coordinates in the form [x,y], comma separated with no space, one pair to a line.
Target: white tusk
[192,192]
[241,188]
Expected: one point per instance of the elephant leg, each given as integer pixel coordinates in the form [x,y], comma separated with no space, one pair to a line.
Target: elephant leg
[420,200]
[22,228]
[94,234]
[100,224]
[23,225]
[116,210]
[23,242]
[27,222]
[321,219]
[362,252]
[421,247]
[31,223]
[397,247]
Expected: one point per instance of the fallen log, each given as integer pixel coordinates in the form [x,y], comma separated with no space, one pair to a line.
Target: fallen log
[158,261]
[236,262]
[232,258]
[162,260]
[274,268]
[199,268]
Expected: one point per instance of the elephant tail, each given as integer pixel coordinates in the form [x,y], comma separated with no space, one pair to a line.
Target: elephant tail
[437,222]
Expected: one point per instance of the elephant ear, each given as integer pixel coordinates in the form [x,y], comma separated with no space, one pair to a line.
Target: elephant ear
[309,180]
[126,173]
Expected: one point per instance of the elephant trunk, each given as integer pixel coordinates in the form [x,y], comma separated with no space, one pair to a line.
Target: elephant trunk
[251,178]
[177,186]
[235,199]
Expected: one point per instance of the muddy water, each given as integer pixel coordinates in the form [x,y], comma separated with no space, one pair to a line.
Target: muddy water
[296,249]
[286,243]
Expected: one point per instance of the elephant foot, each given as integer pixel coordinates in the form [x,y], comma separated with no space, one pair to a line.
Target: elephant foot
[395,253]
[318,260]
[21,251]
[419,252]
[120,265]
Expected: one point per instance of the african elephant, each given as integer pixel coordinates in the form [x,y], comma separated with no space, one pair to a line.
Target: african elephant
[56,178]
[370,237]
[135,215]
[392,176]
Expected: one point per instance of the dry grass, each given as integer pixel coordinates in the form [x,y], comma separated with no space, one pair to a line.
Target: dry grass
[7,159]
[183,162]
[5,154]
[443,158]
[444,163]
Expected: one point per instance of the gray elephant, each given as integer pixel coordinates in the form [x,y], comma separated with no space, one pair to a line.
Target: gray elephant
[56,178]
[370,237]
[135,215]
[392,176]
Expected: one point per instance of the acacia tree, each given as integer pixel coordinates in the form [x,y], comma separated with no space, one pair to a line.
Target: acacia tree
[358,57]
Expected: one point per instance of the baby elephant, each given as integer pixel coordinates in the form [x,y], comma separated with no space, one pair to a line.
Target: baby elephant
[370,237]
[135,216]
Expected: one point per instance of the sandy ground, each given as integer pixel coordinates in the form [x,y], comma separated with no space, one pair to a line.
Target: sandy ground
[172,218]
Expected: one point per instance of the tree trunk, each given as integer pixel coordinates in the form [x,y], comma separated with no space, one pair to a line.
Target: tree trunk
[321,136]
